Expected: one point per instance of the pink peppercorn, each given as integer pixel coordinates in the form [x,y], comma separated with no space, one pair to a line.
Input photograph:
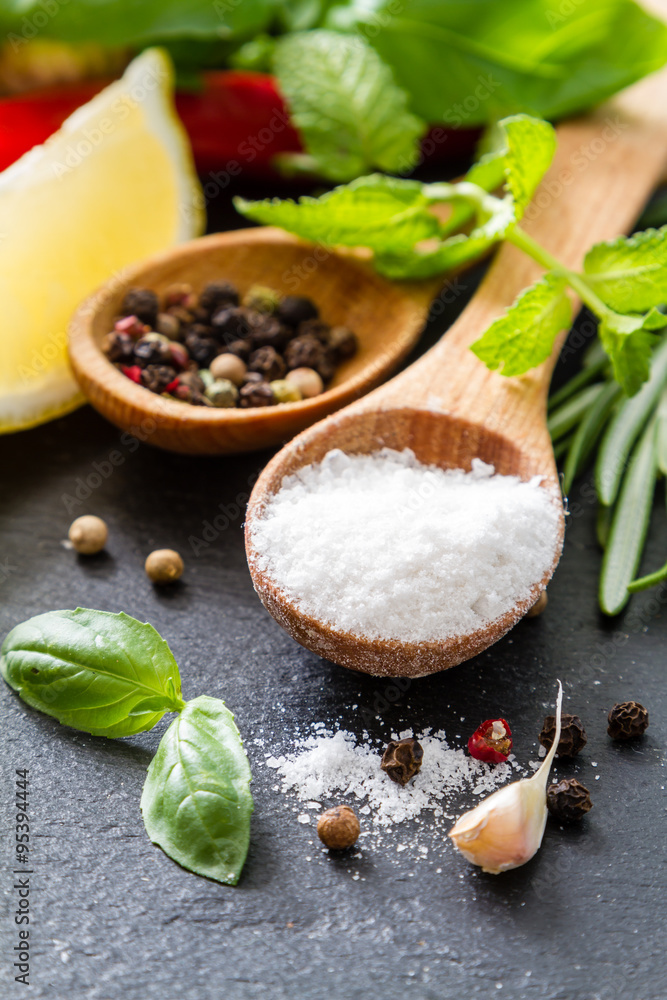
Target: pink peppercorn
[492,742]
[133,372]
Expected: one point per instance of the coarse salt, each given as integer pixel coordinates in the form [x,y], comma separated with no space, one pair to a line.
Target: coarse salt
[328,766]
[383,546]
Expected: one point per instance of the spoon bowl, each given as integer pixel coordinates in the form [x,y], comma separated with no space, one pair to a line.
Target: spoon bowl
[386,316]
[449,408]
[436,439]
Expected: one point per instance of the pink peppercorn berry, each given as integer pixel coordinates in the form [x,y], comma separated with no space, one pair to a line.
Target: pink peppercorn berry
[491,742]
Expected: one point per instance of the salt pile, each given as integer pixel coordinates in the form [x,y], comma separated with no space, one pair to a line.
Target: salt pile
[382,546]
[330,767]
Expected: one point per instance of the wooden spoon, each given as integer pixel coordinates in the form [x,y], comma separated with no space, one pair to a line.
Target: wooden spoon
[385,315]
[448,407]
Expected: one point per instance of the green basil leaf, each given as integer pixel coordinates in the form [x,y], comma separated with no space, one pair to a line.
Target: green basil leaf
[524,336]
[383,213]
[629,273]
[345,104]
[102,673]
[196,801]
[127,22]
[469,62]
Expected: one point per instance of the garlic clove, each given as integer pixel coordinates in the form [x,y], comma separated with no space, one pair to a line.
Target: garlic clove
[505,830]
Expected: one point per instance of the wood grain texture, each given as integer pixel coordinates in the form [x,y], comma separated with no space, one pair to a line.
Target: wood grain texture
[448,407]
[387,318]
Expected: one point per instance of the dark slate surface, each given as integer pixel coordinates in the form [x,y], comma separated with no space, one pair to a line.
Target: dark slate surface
[114,919]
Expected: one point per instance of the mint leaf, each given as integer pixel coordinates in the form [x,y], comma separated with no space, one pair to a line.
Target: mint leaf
[629,342]
[105,674]
[455,252]
[530,147]
[196,801]
[344,102]
[467,63]
[524,336]
[383,213]
[629,273]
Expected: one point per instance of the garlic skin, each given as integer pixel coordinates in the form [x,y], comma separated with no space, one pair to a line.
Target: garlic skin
[505,830]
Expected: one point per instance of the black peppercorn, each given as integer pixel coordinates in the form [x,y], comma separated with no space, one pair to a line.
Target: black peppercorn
[256,394]
[152,349]
[326,367]
[568,800]
[304,352]
[267,362]
[157,377]
[572,735]
[402,759]
[202,347]
[627,720]
[342,342]
[267,331]
[295,309]
[217,294]
[230,323]
[118,346]
[316,328]
[241,348]
[142,303]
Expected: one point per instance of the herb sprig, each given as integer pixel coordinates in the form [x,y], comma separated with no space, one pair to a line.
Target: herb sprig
[111,675]
[623,281]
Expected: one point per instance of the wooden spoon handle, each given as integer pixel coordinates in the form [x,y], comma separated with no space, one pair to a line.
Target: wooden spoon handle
[604,169]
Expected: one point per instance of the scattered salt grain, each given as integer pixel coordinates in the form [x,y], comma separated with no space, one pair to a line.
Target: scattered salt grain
[383,546]
[325,767]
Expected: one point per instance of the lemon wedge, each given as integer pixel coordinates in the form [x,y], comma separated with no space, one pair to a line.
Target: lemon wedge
[115,184]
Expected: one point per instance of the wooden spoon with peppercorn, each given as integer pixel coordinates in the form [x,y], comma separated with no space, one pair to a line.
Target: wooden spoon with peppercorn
[448,407]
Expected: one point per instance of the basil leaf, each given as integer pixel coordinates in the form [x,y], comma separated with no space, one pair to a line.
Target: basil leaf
[375,211]
[524,336]
[345,104]
[196,801]
[127,22]
[629,273]
[102,673]
[467,63]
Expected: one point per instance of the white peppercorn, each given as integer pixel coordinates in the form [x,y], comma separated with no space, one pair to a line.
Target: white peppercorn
[306,380]
[88,534]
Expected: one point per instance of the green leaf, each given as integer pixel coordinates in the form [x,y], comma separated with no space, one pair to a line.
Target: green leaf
[128,22]
[524,336]
[469,62]
[106,674]
[345,104]
[626,427]
[629,342]
[453,253]
[629,526]
[196,801]
[629,273]
[530,148]
[383,213]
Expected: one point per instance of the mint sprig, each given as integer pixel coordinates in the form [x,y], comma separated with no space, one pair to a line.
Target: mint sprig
[401,221]
[111,675]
